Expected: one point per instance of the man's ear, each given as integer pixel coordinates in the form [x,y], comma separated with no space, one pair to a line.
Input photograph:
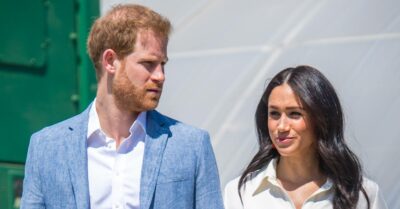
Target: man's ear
[109,60]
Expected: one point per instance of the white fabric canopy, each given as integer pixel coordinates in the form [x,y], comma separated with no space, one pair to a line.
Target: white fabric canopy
[223,52]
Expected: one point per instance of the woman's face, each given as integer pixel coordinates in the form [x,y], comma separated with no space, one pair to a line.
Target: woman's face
[289,124]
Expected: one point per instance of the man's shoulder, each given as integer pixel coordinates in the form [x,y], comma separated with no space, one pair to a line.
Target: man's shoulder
[61,128]
[180,131]
[176,125]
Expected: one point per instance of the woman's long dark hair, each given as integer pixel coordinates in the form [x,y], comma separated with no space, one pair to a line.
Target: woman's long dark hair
[336,160]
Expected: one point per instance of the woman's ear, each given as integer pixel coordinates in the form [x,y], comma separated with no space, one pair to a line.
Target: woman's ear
[109,61]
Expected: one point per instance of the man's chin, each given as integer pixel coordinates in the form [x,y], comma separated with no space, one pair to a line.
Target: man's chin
[148,105]
[152,106]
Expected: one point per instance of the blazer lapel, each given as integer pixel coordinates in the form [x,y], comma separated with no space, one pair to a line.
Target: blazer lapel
[156,138]
[77,159]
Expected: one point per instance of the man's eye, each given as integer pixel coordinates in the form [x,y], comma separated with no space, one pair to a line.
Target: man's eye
[147,63]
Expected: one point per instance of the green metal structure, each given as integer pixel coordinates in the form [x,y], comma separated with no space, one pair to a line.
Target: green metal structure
[45,76]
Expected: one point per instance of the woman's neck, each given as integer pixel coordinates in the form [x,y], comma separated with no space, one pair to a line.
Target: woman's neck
[299,177]
[300,170]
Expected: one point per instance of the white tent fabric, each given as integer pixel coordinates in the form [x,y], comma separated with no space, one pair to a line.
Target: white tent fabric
[223,52]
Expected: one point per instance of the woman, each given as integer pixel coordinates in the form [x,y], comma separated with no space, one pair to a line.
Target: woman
[303,160]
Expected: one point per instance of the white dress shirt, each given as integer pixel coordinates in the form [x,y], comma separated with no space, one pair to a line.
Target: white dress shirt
[114,174]
[264,191]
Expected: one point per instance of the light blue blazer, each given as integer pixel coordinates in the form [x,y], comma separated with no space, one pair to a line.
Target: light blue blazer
[179,169]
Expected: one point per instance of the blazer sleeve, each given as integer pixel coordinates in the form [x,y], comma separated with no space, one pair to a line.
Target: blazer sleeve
[32,197]
[207,191]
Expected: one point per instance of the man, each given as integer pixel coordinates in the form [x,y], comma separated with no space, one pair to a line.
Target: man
[120,152]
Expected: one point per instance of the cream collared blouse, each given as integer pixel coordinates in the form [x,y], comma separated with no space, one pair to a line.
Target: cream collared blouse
[263,191]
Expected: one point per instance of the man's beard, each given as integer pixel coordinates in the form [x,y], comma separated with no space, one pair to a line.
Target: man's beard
[130,97]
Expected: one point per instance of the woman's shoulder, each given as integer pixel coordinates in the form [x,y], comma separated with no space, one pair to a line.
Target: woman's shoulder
[374,194]
[370,186]
[231,190]
[253,179]
[231,195]
[232,185]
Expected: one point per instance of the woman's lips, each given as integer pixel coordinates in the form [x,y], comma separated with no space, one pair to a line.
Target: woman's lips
[284,139]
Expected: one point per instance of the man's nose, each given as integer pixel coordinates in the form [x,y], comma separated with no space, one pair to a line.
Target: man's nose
[158,73]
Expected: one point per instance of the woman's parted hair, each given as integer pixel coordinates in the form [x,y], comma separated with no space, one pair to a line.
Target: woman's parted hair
[118,30]
[321,102]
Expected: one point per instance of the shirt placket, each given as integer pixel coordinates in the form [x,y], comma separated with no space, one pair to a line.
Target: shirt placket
[324,189]
[306,203]
[117,181]
[281,190]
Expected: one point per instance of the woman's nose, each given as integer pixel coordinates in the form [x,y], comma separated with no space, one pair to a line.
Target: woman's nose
[283,124]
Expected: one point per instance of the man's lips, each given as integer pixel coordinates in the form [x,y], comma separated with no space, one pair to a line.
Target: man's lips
[155,90]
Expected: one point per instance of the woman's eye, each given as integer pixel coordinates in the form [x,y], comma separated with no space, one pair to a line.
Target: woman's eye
[295,115]
[274,114]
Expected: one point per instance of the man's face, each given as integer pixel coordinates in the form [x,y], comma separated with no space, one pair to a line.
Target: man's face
[139,80]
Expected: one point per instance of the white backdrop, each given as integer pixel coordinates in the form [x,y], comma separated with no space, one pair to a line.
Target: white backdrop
[222,53]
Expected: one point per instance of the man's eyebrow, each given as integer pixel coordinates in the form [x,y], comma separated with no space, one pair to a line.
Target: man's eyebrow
[153,58]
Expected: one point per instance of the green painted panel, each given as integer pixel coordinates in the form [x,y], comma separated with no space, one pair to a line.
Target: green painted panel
[33,96]
[11,178]
[45,76]
[23,37]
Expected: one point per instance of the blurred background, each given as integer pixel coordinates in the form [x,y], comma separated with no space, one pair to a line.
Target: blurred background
[221,55]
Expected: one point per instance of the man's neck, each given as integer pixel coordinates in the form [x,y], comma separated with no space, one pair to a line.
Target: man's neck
[114,122]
